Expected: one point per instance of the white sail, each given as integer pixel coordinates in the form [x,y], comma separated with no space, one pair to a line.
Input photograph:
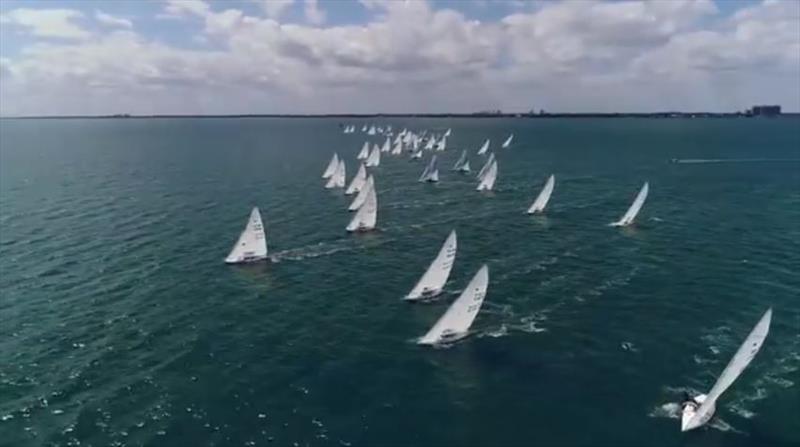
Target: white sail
[447,134]
[337,180]
[364,153]
[435,277]
[507,143]
[442,144]
[367,215]
[362,195]
[371,130]
[364,128]
[387,145]
[465,167]
[374,158]
[332,165]
[752,344]
[630,215]
[416,155]
[462,161]
[252,243]
[487,183]
[484,148]
[431,173]
[358,181]
[398,147]
[429,145]
[486,166]
[456,321]
[544,196]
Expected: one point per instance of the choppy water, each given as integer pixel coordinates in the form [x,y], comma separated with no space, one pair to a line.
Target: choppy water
[120,325]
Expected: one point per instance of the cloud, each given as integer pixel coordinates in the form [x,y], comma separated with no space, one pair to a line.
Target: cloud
[274,8]
[55,23]
[313,13]
[412,56]
[112,21]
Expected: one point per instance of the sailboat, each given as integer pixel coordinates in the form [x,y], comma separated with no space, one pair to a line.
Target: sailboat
[455,322]
[700,409]
[429,144]
[487,182]
[486,166]
[364,128]
[442,144]
[462,165]
[398,147]
[435,277]
[252,243]
[431,172]
[332,165]
[416,155]
[364,153]
[337,180]
[543,197]
[371,130]
[367,215]
[447,134]
[507,143]
[362,195]
[484,148]
[387,145]
[374,158]
[630,215]
[358,181]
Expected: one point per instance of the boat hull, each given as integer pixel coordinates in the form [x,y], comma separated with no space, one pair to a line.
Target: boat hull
[689,410]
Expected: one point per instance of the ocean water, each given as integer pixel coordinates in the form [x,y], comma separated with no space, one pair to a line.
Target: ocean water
[120,324]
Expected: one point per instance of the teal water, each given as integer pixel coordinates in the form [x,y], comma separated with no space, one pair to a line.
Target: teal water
[120,325]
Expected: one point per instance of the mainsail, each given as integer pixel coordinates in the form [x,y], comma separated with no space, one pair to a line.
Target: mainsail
[337,180]
[431,172]
[507,143]
[456,321]
[484,148]
[544,196]
[358,181]
[367,215]
[442,144]
[252,243]
[742,358]
[362,195]
[398,147]
[364,153]
[435,277]
[332,166]
[374,158]
[487,183]
[462,165]
[486,166]
[387,145]
[630,215]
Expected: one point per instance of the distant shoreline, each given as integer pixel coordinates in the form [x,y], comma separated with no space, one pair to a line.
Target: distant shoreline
[654,115]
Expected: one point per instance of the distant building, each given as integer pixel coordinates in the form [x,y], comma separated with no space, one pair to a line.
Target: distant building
[766,110]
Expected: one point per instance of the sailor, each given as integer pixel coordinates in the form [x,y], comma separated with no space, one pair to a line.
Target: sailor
[688,400]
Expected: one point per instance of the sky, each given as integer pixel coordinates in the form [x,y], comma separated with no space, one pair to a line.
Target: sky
[87,57]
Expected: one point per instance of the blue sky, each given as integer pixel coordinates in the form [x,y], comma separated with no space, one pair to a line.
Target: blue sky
[320,56]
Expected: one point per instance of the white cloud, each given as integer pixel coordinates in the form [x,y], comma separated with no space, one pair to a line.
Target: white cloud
[579,56]
[274,8]
[313,13]
[58,23]
[112,21]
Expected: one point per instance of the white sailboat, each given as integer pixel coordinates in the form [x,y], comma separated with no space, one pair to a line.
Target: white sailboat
[543,197]
[367,215]
[387,145]
[371,130]
[398,147]
[429,144]
[337,180]
[332,165]
[364,153]
[462,165]
[484,148]
[362,195]
[486,166]
[700,409]
[630,215]
[447,134]
[434,279]
[431,172]
[487,182]
[252,243]
[416,155]
[364,128]
[374,158]
[507,143]
[458,318]
[358,181]
[442,144]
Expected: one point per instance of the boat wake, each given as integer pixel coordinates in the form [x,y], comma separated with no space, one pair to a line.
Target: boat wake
[733,160]
[310,252]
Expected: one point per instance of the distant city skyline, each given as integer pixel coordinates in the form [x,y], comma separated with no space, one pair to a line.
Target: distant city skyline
[396,56]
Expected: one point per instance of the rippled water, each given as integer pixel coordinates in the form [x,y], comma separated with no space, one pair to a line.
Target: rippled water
[120,325]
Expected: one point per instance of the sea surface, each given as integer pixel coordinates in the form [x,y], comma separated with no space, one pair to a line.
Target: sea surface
[121,325]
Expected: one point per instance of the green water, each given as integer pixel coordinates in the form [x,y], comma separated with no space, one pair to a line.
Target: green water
[120,325]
